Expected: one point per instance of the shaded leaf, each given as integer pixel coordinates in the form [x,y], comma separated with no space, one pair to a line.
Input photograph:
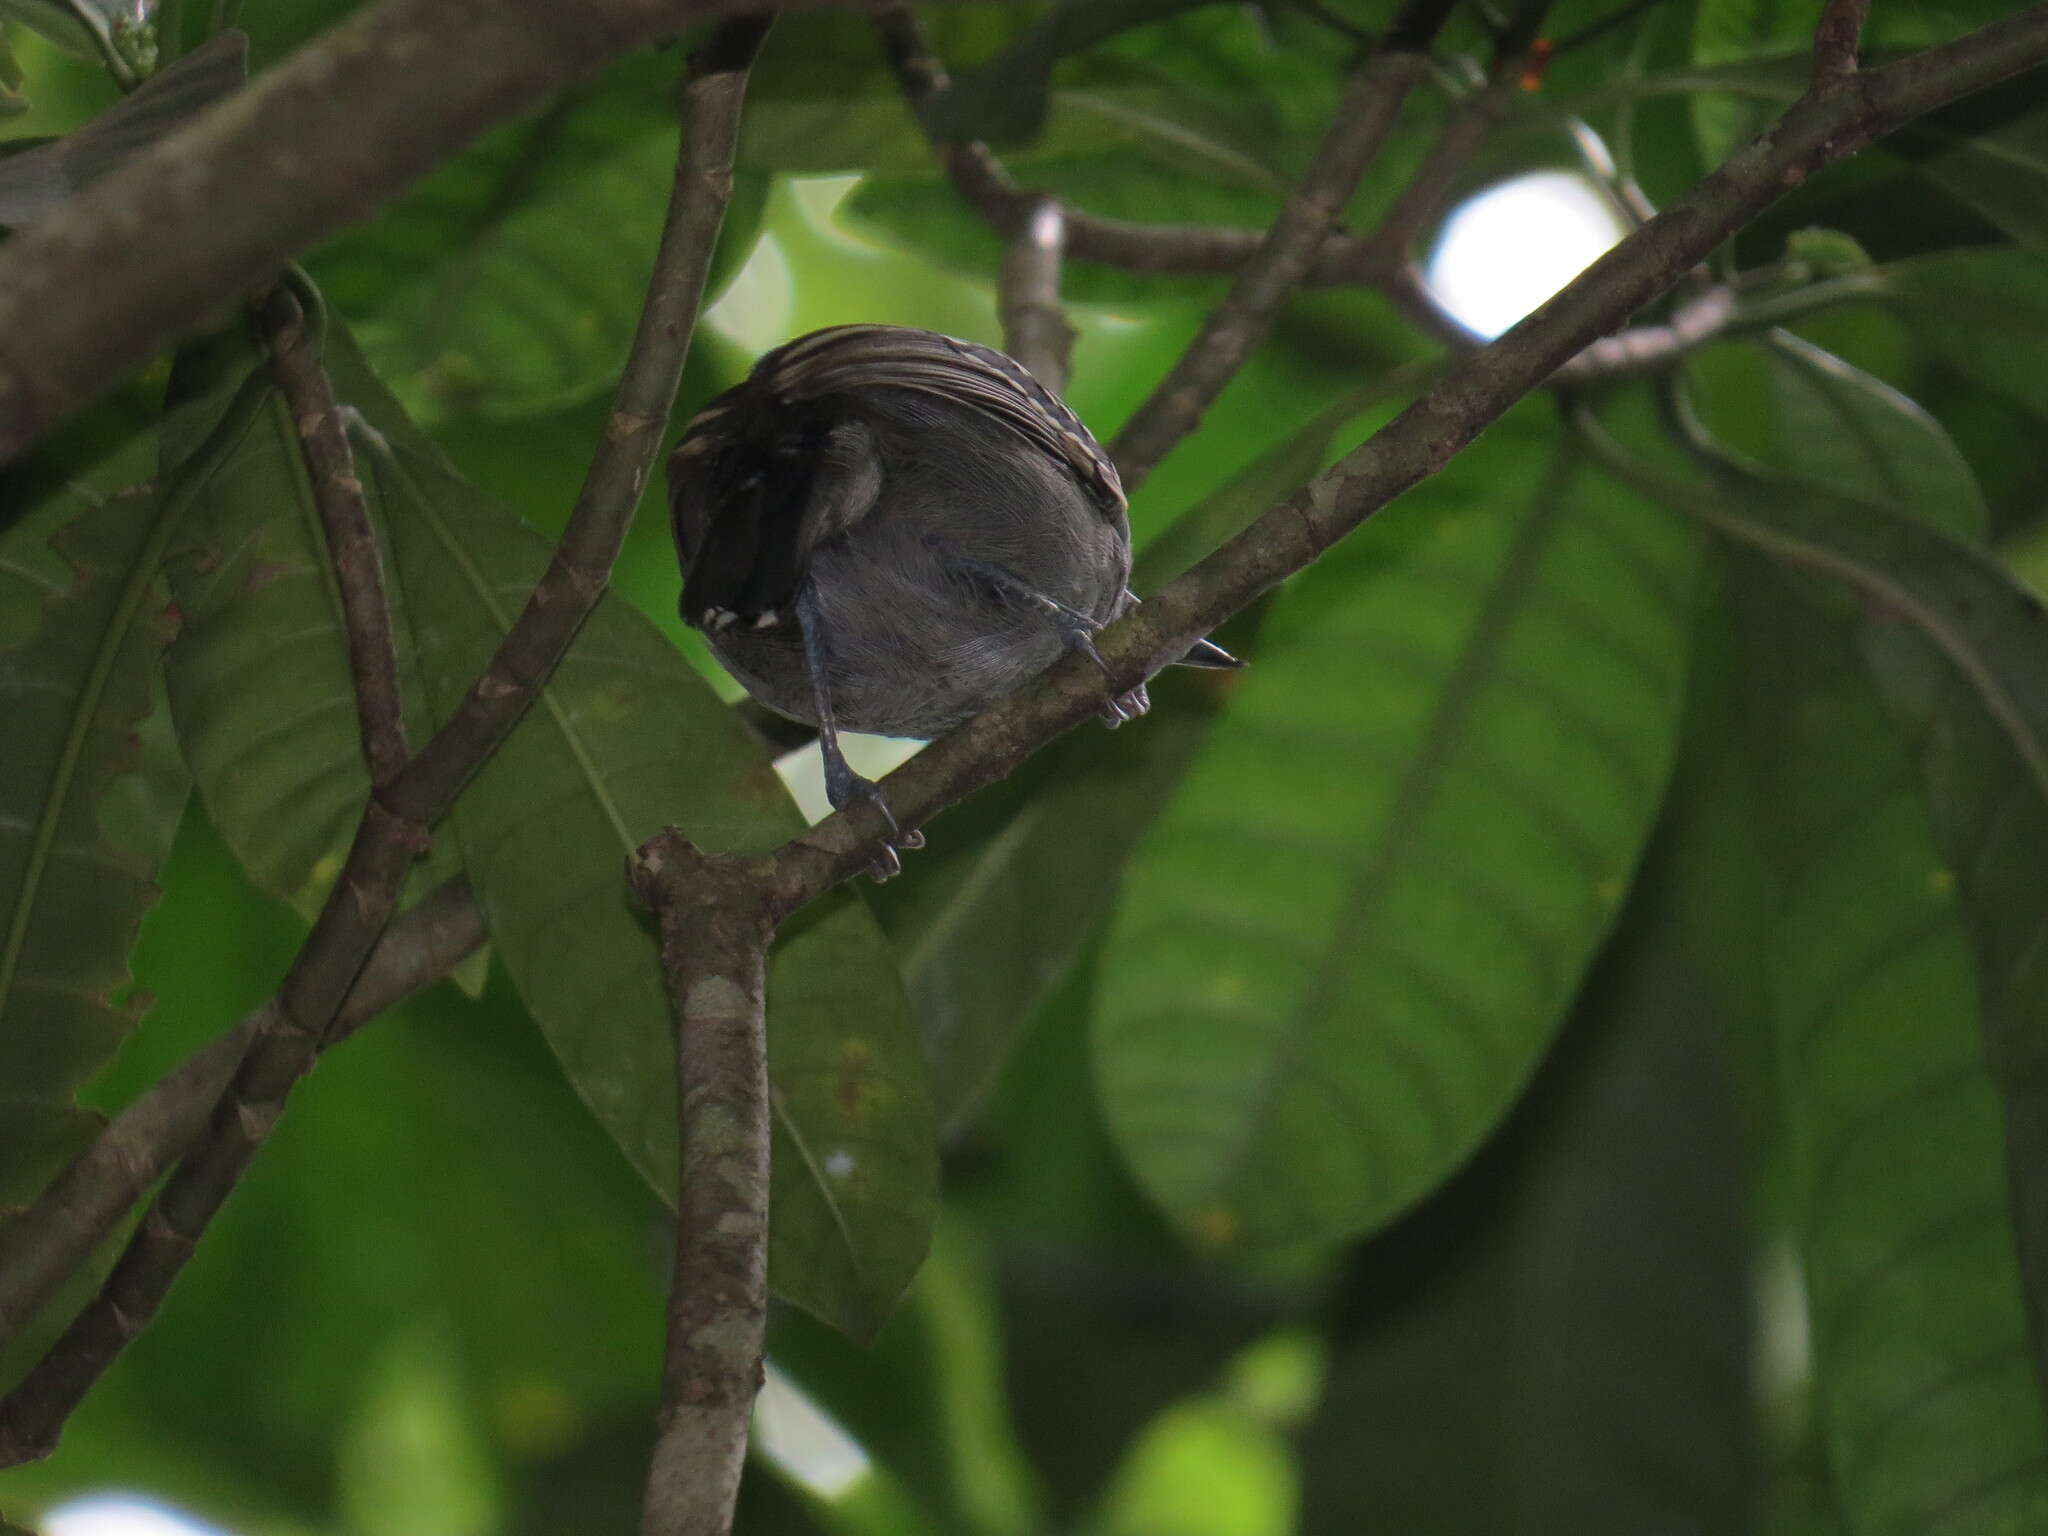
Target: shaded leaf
[821,99]
[1452,746]
[1985,312]
[509,280]
[259,677]
[1929,1408]
[82,825]
[1991,151]
[1840,428]
[1557,1343]
[625,739]
[1958,649]
[1003,100]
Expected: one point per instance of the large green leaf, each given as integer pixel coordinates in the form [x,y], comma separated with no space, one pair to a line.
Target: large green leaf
[1958,650]
[1929,1408]
[627,738]
[83,818]
[1345,946]
[1558,1343]
[1985,312]
[1959,653]
[1842,429]
[510,279]
[259,677]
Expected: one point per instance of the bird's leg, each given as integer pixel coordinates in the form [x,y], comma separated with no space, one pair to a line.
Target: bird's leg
[1077,628]
[843,787]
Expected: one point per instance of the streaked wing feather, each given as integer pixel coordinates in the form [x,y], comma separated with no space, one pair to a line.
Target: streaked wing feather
[855,357]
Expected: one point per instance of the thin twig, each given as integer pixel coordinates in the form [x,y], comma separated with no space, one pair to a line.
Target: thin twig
[988,187]
[1036,331]
[1836,39]
[1366,114]
[49,1241]
[394,823]
[1416,207]
[1713,313]
[715,930]
[345,518]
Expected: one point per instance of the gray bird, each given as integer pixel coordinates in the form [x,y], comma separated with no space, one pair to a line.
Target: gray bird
[885,529]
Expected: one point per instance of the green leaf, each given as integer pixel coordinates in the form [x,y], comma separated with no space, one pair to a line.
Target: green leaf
[1767,39]
[1983,311]
[1724,31]
[1840,428]
[12,101]
[822,99]
[61,23]
[1004,99]
[510,279]
[1958,650]
[1557,1343]
[1959,653]
[1929,1408]
[626,738]
[259,677]
[82,823]
[1826,253]
[1015,884]
[1453,745]
[1991,152]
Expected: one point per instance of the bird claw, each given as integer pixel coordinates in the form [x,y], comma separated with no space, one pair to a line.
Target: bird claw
[1125,706]
[845,787]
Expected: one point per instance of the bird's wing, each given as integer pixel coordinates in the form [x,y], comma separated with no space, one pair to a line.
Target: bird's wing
[851,358]
[754,488]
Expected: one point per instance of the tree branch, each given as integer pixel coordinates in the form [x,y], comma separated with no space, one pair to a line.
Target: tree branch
[986,184]
[1471,393]
[1365,117]
[309,147]
[345,519]
[394,823]
[83,1204]
[1835,41]
[715,930]
[1036,331]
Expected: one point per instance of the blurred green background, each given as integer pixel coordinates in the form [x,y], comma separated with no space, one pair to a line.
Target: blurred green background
[1514,1062]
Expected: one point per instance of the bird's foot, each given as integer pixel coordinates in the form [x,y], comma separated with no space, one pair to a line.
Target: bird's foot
[845,789]
[1124,706]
